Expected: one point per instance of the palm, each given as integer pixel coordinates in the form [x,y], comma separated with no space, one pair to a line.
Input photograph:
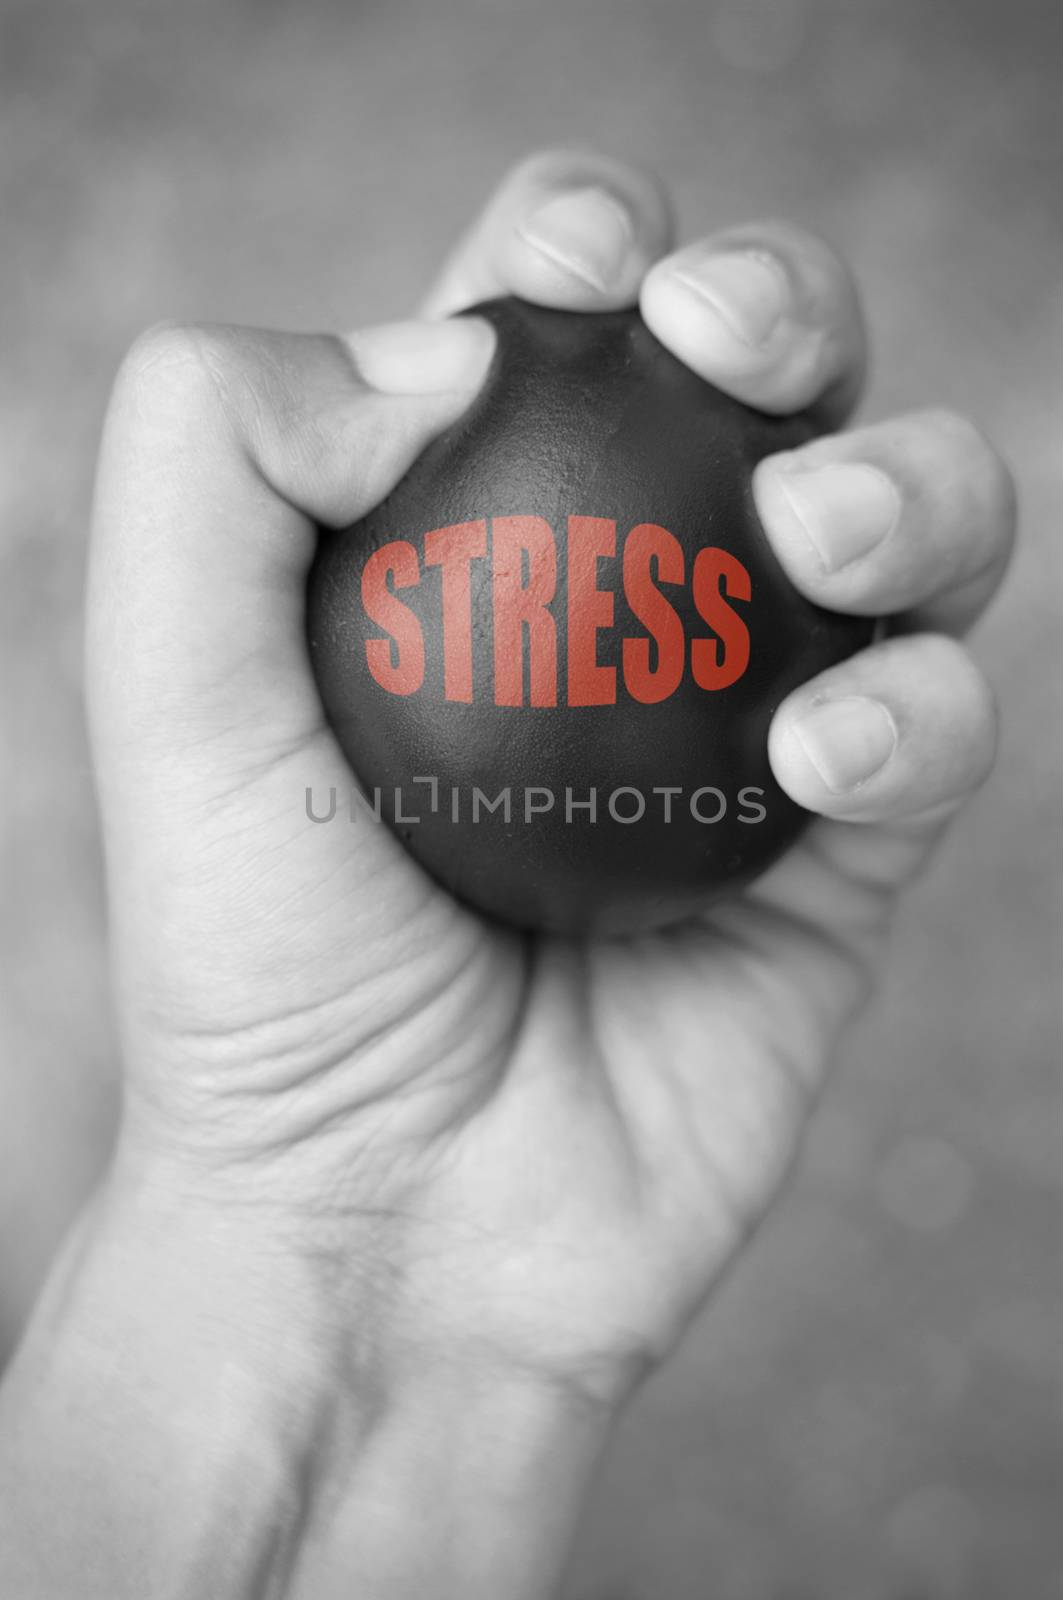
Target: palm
[595,1123]
[647,1105]
[604,1119]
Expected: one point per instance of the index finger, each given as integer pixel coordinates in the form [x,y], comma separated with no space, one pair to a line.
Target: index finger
[223,451]
[566,228]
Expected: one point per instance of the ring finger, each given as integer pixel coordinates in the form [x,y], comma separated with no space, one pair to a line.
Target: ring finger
[912,519]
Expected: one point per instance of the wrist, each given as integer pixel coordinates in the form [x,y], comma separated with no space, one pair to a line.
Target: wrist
[466,1484]
[419,1460]
[161,1408]
[199,1394]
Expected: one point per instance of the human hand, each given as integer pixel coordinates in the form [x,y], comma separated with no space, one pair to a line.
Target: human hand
[517,1166]
[577,1135]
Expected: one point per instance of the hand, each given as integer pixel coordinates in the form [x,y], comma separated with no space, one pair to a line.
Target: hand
[558,1148]
[519,1166]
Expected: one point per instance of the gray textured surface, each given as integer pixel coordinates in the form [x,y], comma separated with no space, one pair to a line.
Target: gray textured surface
[873,1409]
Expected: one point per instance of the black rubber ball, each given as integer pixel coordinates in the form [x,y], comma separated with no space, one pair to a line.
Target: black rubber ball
[552,654]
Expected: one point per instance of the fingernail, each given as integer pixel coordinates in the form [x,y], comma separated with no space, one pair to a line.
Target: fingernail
[747,289]
[424,357]
[588,232]
[844,510]
[847,740]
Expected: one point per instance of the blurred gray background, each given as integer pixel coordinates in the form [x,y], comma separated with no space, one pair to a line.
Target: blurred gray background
[873,1407]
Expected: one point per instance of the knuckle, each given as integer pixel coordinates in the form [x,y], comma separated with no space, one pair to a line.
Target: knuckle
[1003,497]
[181,377]
[826,329]
[990,730]
[983,466]
[548,165]
[802,242]
[822,276]
[942,660]
[958,435]
[982,696]
[947,662]
[961,704]
[167,355]
[567,166]
[171,377]
[953,430]
[982,724]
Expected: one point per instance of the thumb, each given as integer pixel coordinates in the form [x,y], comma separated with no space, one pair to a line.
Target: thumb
[222,451]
